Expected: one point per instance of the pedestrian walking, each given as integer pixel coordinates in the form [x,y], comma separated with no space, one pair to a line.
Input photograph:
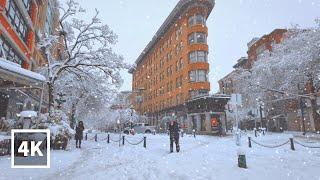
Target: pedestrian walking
[79,134]
[174,135]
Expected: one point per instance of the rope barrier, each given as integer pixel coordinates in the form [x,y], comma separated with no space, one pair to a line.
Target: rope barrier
[115,141]
[134,143]
[304,145]
[270,146]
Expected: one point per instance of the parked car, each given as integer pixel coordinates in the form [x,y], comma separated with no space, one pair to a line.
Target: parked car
[140,128]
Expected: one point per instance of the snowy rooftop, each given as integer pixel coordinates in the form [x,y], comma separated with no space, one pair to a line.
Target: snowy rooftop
[15,68]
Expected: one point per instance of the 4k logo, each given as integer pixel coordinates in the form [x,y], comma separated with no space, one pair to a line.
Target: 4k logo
[30,148]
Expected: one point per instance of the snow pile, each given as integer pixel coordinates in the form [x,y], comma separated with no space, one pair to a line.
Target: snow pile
[60,125]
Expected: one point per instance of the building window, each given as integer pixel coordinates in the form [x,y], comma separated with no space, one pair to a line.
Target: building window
[198,56]
[49,21]
[9,52]
[161,63]
[179,65]
[179,47]
[169,71]
[197,19]
[178,32]
[179,82]
[16,19]
[198,76]
[197,37]
[27,5]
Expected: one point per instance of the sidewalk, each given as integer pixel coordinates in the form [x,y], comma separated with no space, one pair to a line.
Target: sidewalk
[309,135]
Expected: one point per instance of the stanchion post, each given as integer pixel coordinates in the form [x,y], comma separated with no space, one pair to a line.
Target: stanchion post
[86,136]
[249,141]
[145,142]
[96,138]
[123,140]
[194,133]
[255,132]
[108,140]
[292,144]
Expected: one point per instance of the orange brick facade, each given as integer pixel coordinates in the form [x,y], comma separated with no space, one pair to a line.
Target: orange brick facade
[163,71]
[264,43]
[34,18]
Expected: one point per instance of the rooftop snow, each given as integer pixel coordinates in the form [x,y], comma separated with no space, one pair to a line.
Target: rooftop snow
[15,68]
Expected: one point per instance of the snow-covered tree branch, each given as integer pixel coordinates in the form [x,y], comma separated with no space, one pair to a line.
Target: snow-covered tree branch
[86,65]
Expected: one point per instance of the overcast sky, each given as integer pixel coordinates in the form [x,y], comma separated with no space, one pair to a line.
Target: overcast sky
[232,24]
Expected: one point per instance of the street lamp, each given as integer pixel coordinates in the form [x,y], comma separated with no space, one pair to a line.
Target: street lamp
[131,121]
[261,107]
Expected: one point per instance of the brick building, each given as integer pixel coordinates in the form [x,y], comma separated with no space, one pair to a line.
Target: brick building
[22,24]
[286,114]
[173,68]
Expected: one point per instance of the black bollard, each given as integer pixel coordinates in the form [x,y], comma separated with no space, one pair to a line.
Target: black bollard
[255,133]
[96,137]
[145,142]
[86,136]
[123,140]
[242,163]
[108,140]
[292,144]
[194,133]
[249,141]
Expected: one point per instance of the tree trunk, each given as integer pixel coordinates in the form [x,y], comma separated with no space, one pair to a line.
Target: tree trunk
[73,113]
[315,115]
[51,97]
[311,89]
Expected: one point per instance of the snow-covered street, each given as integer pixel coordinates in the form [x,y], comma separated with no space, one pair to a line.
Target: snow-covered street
[203,157]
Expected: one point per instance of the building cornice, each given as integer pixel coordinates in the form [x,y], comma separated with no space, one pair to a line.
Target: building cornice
[171,19]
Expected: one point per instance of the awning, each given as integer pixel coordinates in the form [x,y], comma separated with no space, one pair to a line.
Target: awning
[12,72]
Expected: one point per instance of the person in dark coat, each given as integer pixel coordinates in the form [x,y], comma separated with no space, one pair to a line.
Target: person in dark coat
[174,135]
[79,134]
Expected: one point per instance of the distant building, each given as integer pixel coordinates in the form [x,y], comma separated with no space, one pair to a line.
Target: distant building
[122,101]
[286,114]
[22,24]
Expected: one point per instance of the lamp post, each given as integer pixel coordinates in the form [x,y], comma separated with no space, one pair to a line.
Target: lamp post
[261,107]
[131,122]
